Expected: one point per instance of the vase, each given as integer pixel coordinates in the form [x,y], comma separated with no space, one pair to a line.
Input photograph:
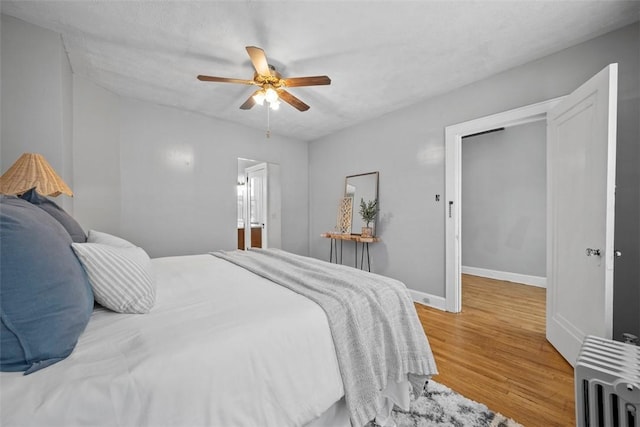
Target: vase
[367,232]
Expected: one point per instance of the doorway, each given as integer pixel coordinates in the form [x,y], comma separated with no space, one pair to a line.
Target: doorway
[504,211]
[259,204]
[243,164]
[453,166]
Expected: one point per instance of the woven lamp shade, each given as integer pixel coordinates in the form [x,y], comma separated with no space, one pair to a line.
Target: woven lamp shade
[32,170]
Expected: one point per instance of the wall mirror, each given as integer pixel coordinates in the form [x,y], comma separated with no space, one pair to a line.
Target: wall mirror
[362,186]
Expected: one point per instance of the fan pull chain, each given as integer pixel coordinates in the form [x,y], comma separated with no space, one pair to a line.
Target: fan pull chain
[268,123]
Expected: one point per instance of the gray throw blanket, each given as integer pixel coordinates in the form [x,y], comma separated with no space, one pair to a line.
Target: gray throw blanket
[375,328]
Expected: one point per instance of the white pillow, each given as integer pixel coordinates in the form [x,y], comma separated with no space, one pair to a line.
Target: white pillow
[121,277]
[108,239]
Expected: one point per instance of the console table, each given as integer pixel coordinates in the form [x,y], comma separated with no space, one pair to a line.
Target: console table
[364,241]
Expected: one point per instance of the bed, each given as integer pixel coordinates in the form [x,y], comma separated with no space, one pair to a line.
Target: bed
[221,346]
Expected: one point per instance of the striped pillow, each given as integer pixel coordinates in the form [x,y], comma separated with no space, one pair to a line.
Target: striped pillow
[121,278]
[108,239]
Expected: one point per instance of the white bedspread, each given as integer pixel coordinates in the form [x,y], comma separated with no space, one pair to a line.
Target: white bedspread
[376,331]
[222,347]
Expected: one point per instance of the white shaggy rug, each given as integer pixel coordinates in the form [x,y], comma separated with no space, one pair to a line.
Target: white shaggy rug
[440,406]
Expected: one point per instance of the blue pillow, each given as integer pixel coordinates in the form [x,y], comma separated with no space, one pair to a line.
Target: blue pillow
[45,297]
[49,206]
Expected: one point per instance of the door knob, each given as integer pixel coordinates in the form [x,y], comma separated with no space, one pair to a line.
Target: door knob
[617,253]
[595,252]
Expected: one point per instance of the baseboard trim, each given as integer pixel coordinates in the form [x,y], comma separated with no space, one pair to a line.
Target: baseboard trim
[428,299]
[525,279]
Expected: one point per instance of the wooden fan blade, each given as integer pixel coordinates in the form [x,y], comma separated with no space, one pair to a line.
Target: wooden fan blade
[307,81]
[259,60]
[250,102]
[225,80]
[292,100]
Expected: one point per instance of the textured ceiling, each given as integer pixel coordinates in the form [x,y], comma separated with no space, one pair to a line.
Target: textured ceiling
[380,55]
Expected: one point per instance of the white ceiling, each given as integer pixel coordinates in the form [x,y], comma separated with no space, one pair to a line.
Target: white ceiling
[380,55]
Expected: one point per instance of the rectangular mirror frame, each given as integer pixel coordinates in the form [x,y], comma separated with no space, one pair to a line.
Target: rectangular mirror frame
[369,192]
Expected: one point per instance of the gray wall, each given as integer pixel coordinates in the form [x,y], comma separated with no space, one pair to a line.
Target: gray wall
[407,147]
[166,179]
[162,178]
[179,176]
[36,98]
[504,204]
[96,153]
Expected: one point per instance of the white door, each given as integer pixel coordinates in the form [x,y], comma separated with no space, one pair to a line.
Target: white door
[581,159]
[256,205]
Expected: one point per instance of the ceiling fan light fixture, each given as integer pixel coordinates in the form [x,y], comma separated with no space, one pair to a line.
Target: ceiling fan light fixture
[275,105]
[270,94]
[259,97]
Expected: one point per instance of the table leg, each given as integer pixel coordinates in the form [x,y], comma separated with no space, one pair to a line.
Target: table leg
[356,254]
[330,250]
[368,259]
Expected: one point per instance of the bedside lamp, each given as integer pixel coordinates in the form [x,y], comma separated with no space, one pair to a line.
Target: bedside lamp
[32,170]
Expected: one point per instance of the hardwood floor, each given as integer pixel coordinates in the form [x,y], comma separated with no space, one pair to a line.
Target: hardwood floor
[495,352]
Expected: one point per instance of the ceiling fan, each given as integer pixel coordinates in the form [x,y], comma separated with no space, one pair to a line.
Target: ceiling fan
[272,85]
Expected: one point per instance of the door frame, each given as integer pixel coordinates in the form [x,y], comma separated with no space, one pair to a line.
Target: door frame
[453,187]
[260,167]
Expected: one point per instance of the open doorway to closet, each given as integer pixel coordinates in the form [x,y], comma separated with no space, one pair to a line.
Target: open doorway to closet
[503,213]
[453,159]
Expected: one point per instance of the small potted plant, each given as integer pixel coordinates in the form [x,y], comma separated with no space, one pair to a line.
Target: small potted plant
[368,212]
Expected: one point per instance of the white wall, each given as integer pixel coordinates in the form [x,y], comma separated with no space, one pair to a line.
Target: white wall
[504,207]
[407,147]
[36,98]
[179,174]
[96,157]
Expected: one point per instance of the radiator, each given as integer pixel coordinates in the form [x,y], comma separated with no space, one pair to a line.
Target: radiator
[607,380]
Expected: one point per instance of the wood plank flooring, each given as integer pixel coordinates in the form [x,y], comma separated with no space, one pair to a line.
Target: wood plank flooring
[495,352]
